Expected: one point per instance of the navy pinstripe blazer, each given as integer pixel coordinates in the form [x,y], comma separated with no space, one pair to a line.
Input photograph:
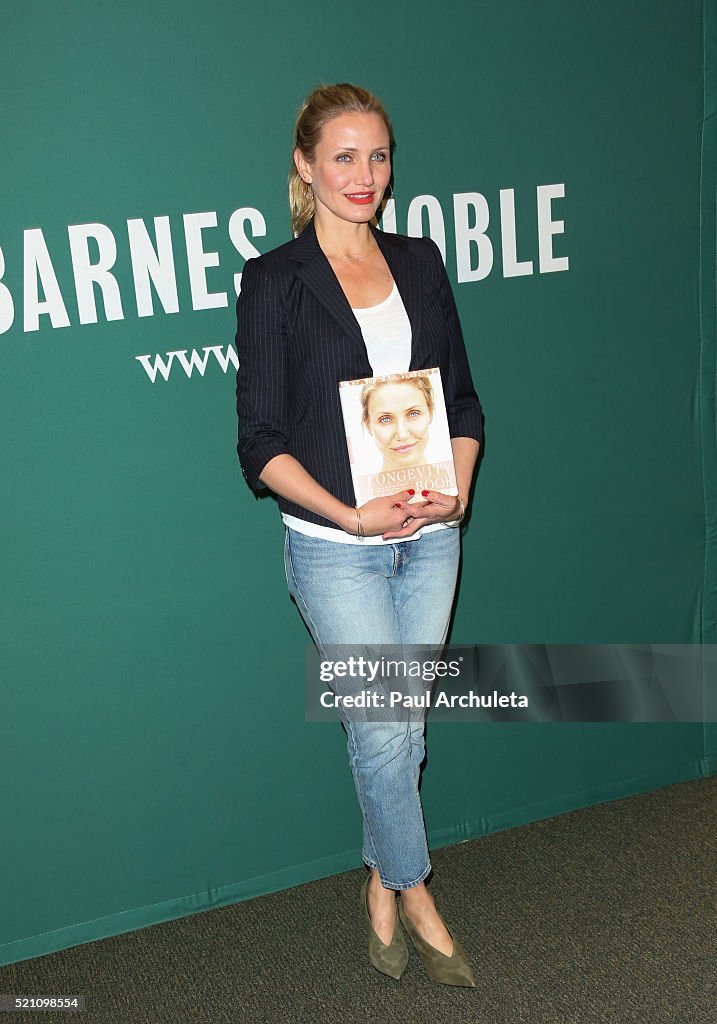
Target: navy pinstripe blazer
[297,337]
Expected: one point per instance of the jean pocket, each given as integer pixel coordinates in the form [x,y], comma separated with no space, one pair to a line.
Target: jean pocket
[288,568]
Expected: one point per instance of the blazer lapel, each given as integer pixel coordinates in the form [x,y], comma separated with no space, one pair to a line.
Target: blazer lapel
[406,271]
[316,273]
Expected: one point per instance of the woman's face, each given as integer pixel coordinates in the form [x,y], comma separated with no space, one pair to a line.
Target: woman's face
[398,419]
[351,167]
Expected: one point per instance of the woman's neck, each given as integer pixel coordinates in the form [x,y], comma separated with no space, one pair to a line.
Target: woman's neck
[340,240]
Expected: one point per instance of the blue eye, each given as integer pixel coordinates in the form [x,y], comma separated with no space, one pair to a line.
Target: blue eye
[379,157]
[343,157]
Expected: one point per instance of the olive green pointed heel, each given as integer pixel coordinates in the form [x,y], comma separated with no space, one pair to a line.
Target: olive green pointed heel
[448,970]
[391,959]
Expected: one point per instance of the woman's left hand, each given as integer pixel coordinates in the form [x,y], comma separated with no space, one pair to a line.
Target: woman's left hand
[436,508]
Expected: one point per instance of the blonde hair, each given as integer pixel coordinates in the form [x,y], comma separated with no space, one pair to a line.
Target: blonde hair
[320,107]
[422,383]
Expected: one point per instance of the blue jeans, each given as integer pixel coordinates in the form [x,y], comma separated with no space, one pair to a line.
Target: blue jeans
[370,595]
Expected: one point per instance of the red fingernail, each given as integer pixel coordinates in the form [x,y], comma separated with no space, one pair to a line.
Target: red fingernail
[411,491]
[425,493]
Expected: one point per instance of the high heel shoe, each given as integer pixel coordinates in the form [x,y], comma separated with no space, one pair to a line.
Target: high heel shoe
[448,970]
[391,959]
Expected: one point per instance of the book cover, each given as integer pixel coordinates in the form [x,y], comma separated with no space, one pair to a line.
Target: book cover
[397,434]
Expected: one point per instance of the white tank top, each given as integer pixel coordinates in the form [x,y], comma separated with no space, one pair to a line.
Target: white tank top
[386,333]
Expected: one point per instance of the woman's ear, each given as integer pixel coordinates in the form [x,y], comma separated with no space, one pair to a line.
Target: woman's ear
[302,166]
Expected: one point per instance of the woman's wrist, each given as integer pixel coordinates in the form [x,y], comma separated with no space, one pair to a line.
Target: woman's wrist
[461,512]
[347,519]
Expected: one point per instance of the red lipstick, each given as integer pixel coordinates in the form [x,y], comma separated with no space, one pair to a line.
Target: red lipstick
[361,198]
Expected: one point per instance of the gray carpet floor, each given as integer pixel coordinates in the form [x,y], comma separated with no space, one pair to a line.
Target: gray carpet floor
[607,915]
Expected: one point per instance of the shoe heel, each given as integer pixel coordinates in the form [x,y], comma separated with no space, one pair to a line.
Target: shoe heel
[392,959]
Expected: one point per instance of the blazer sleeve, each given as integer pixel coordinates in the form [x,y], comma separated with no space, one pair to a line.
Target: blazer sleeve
[465,414]
[262,386]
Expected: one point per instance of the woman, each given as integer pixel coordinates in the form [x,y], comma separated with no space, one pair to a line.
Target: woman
[398,414]
[385,572]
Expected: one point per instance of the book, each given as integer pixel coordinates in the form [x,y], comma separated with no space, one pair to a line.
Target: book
[397,434]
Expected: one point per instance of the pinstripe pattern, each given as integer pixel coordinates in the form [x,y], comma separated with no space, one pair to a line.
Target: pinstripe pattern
[297,337]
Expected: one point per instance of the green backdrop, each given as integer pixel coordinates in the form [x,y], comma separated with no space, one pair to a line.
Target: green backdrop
[154,755]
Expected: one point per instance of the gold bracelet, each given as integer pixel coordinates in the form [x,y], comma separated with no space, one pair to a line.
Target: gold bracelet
[360,535]
[459,520]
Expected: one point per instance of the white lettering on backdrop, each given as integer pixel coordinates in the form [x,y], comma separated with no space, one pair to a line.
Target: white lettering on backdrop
[93,251]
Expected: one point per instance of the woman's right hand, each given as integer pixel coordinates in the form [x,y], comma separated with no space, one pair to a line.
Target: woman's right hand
[384,515]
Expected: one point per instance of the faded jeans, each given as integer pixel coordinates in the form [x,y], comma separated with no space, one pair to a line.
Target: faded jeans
[364,596]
